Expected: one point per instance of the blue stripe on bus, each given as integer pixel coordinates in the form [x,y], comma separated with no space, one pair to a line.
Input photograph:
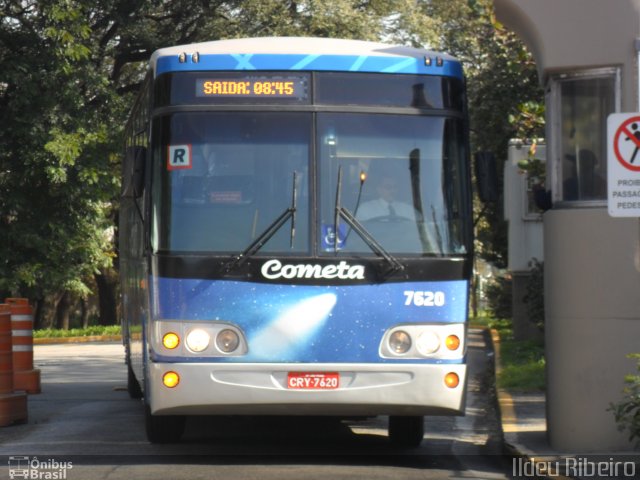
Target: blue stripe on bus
[304,323]
[341,63]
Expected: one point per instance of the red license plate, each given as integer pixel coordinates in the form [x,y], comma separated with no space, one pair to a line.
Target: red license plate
[313,380]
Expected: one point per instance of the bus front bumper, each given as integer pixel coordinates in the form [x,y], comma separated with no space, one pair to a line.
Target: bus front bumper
[263,389]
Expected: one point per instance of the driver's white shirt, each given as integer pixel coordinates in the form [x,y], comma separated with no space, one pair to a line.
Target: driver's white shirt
[381,208]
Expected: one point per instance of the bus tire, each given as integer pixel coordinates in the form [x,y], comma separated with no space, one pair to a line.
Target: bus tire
[133,386]
[163,429]
[406,432]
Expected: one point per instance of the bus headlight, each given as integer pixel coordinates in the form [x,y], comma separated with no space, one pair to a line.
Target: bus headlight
[428,342]
[197,340]
[436,341]
[399,342]
[227,340]
[205,338]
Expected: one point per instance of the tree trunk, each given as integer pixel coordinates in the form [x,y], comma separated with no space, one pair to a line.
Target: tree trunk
[107,283]
[84,309]
[63,311]
[38,311]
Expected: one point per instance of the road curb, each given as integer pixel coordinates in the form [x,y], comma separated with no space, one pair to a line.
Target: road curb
[508,416]
[509,420]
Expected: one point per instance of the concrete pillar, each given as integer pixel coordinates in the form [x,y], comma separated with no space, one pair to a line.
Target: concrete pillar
[592,295]
[592,272]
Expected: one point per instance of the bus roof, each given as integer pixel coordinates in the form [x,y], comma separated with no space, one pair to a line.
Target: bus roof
[303,53]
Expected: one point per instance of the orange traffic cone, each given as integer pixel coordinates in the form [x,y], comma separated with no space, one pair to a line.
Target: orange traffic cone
[25,377]
[13,406]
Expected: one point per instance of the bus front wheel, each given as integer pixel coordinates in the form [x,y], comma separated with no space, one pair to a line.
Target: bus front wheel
[406,431]
[163,429]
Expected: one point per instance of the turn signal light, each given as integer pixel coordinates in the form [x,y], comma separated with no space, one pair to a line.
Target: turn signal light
[171,379]
[451,380]
[170,340]
[452,342]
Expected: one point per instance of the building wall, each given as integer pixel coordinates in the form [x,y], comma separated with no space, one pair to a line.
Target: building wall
[573,34]
[592,279]
[525,236]
[525,226]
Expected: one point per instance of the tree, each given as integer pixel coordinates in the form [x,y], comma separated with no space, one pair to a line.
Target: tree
[505,97]
[69,71]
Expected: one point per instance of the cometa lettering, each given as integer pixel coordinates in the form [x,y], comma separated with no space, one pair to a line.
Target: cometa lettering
[274,269]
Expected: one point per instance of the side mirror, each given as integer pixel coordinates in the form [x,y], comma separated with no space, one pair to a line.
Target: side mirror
[487,177]
[134,162]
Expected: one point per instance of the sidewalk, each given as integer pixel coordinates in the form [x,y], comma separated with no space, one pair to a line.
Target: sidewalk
[524,419]
[524,426]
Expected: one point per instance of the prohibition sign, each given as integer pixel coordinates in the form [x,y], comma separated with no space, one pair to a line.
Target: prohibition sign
[629,131]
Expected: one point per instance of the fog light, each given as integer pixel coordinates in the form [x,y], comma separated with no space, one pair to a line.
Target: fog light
[170,379]
[227,340]
[170,340]
[451,380]
[399,342]
[428,343]
[198,340]
[452,342]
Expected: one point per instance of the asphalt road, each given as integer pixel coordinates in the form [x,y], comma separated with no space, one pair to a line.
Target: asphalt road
[85,426]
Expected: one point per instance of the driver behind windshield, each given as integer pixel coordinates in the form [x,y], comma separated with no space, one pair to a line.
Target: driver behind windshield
[387,205]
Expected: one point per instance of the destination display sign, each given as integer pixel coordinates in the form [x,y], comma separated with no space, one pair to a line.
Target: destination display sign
[294,87]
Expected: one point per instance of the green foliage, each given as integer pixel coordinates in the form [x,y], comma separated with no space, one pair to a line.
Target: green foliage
[529,120]
[503,89]
[627,411]
[532,165]
[534,298]
[499,297]
[95,330]
[56,188]
[524,377]
[522,361]
[503,326]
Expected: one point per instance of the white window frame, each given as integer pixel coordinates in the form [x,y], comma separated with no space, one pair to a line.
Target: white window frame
[553,133]
[534,214]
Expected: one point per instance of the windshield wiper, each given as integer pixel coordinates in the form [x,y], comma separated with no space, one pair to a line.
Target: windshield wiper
[269,232]
[356,226]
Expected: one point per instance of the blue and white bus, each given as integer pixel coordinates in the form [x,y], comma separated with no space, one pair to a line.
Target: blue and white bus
[296,233]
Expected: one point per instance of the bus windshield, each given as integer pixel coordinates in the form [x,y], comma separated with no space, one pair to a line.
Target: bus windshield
[224,177]
[402,179]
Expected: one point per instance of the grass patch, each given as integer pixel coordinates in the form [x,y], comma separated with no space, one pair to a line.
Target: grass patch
[523,365]
[95,330]
[523,361]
